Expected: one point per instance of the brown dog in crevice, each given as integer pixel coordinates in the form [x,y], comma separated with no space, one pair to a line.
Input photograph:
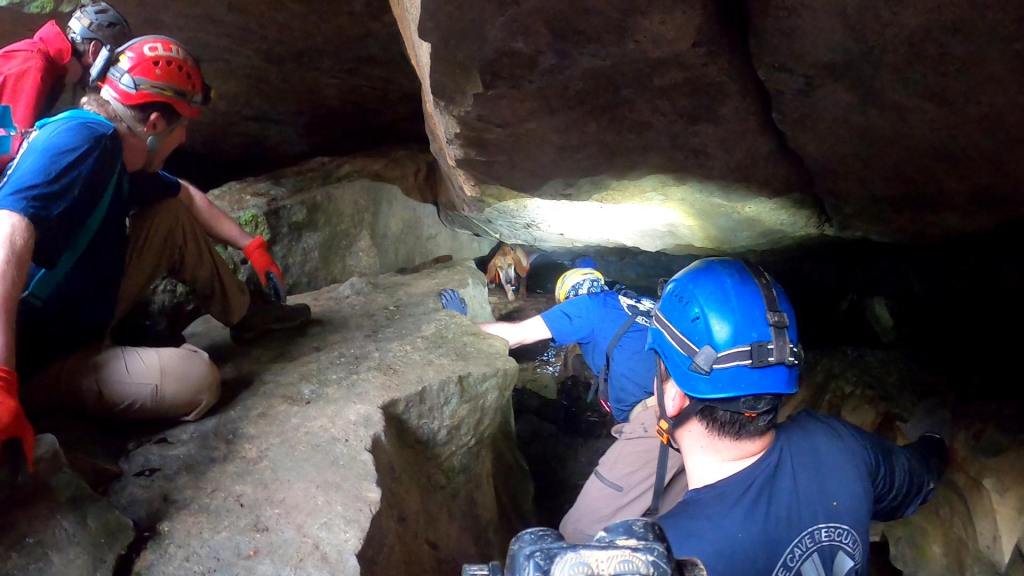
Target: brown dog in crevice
[509,268]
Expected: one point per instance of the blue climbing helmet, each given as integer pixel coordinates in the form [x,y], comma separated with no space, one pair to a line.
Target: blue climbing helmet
[717,328]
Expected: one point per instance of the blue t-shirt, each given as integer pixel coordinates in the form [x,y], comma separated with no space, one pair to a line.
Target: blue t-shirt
[57,181]
[592,321]
[804,507]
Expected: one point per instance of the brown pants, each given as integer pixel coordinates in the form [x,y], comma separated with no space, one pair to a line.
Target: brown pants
[623,483]
[151,383]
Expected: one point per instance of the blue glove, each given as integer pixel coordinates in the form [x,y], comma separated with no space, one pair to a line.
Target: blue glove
[453,301]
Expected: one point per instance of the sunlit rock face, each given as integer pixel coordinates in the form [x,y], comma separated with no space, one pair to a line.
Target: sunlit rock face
[907,114]
[291,79]
[631,124]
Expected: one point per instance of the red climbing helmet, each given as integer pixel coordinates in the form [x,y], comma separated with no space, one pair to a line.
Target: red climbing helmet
[153,69]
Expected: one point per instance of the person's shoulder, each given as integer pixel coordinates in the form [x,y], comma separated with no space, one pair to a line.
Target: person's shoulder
[685,525]
[78,126]
[808,425]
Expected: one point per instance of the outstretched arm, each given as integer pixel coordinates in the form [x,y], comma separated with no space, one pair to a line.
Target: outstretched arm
[519,333]
[903,477]
[217,224]
[223,228]
[17,240]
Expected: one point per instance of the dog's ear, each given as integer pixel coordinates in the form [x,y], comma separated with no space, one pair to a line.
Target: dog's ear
[521,262]
[492,272]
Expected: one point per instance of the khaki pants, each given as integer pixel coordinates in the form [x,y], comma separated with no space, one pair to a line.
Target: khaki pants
[151,383]
[623,483]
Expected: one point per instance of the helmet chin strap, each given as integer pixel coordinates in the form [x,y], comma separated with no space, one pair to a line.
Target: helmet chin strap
[666,426]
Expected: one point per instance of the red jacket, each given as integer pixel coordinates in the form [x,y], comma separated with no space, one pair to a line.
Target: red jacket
[32,77]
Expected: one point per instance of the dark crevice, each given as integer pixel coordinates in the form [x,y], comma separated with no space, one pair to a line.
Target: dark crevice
[125,563]
[734,17]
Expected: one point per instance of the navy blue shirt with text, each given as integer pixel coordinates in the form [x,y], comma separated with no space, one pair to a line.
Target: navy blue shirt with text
[804,507]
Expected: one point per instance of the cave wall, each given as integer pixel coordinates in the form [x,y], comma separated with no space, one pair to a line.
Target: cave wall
[646,115]
[291,79]
[907,114]
[901,119]
[677,126]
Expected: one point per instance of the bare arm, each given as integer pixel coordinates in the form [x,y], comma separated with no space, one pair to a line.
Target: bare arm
[216,222]
[519,333]
[17,240]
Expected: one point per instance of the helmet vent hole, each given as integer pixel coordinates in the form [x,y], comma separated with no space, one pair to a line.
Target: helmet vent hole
[156,64]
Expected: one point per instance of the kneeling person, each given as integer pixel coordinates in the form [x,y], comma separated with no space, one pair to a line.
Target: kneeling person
[87,223]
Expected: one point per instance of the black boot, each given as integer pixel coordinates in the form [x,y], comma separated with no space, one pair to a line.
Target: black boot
[264,316]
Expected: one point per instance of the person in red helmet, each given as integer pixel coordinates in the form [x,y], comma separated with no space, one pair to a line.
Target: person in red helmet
[36,71]
[87,223]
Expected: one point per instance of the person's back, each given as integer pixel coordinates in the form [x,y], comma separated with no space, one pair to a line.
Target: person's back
[766,498]
[32,78]
[806,503]
[592,321]
[34,72]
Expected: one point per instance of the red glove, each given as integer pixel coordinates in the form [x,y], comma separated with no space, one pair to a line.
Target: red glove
[13,423]
[259,255]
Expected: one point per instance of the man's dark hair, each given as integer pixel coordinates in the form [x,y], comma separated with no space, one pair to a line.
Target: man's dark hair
[736,426]
[731,425]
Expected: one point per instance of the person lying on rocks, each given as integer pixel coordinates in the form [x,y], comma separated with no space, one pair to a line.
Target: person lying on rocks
[766,498]
[87,223]
[35,72]
[611,330]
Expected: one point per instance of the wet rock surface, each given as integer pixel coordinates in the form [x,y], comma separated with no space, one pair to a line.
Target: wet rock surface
[55,524]
[378,440]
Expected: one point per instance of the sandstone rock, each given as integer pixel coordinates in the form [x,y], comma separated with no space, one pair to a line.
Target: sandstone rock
[379,441]
[624,123]
[330,219]
[291,79]
[907,115]
[56,525]
[327,220]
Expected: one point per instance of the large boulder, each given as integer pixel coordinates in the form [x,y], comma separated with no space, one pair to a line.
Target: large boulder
[330,219]
[907,114]
[379,441]
[56,525]
[292,79]
[622,123]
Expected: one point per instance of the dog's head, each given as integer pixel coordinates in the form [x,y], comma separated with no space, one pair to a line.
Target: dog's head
[506,270]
